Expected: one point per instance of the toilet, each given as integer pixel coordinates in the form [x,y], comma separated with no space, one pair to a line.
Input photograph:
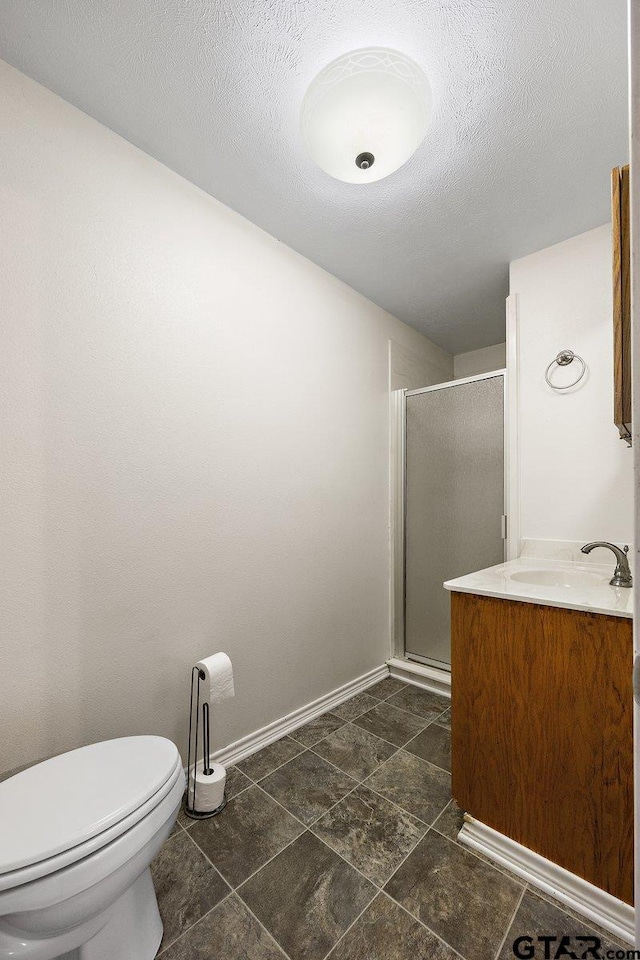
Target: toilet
[77,835]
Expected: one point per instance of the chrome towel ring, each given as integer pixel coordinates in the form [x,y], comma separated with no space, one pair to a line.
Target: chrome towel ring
[563,359]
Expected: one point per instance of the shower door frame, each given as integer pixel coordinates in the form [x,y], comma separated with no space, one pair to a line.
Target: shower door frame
[399,509]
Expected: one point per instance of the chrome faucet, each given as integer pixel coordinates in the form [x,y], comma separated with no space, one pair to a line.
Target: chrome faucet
[622,574]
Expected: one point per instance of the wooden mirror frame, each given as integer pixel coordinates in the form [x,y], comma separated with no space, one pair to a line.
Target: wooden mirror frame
[620,224]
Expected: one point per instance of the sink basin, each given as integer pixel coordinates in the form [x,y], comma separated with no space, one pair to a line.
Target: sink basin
[560,578]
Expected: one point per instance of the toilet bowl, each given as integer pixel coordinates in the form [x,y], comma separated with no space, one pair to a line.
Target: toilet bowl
[78,833]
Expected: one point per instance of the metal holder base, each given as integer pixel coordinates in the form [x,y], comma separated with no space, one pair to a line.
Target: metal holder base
[197,815]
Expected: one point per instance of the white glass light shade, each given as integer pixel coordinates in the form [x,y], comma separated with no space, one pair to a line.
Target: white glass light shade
[372,101]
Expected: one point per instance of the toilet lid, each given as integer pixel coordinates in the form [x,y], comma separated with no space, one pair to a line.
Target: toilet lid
[69,799]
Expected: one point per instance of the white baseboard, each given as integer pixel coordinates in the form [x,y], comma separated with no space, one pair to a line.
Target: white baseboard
[280,728]
[438,681]
[577,894]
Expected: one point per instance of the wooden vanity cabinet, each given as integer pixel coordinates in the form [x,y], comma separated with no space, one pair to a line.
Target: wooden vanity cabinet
[542,732]
[621,235]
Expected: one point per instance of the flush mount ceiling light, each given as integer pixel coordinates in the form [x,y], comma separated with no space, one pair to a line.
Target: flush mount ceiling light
[366,113]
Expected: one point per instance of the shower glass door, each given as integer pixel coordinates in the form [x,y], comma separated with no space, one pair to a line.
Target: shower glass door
[454,502]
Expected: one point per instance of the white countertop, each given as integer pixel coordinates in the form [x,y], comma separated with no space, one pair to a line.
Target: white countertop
[579,586]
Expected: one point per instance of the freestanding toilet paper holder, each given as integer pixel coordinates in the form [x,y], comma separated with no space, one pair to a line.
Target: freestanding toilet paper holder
[197,676]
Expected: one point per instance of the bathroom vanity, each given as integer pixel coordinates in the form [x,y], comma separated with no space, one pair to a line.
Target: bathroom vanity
[542,709]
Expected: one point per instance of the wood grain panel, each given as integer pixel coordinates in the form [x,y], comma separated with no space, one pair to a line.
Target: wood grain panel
[621,229]
[542,732]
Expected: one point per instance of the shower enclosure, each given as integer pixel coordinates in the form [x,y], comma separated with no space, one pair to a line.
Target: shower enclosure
[453,502]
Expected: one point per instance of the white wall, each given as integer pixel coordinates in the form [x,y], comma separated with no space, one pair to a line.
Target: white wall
[576,476]
[194,447]
[412,366]
[483,360]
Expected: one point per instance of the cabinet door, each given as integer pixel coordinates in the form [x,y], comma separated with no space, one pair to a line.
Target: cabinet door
[542,747]
[620,223]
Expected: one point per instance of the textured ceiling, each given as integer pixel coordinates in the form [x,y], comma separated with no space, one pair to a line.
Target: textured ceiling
[530,114]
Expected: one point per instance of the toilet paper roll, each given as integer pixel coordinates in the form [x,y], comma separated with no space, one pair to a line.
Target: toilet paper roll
[218,678]
[209,787]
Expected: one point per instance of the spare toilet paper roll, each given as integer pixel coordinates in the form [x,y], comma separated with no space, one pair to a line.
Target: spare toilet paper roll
[218,678]
[209,787]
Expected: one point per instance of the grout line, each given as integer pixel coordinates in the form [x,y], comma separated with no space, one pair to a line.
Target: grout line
[476,853]
[309,746]
[244,789]
[234,889]
[195,923]
[306,746]
[352,924]
[511,922]
[358,716]
[313,750]
[308,830]
[390,742]
[275,769]
[439,717]
[319,717]
[307,826]
[261,924]
[429,827]
[357,783]
[363,693]
[353,790]
[423,924]
[364,783]
[433,721]
[402,907]
[192,823]
[343,772]
[440,726]
[442,769]
[411,713]
[286,737]
[200,850]
[400,750]
[432,762]
[488,862]
[379,889]
[430,693]
[576,915]
[384,699]
[291,736]
[352,723]
[301,822]
[337,853]
[256,783]
[372,883]
[173,836]
[402,809]
[432,827]
[415,716]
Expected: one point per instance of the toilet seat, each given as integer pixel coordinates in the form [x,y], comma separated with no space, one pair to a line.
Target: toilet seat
[66,808]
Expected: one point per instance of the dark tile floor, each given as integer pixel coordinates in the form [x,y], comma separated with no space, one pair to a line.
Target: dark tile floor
[340,842]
